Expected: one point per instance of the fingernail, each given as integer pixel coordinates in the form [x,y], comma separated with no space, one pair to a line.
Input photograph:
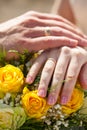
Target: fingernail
[64,100]
[41,93]
[29,79]
[51,100]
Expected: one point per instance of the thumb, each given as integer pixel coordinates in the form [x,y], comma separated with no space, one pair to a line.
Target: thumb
[83,77]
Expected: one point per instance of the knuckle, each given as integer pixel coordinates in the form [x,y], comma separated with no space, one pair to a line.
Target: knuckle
[65,50]
[31,12]
[47,69]
[77,54]
[24,42]
[58,74]
[57,30]
[80,54]
[28,32]
[70,76]
[73,73]
[51,62]
[31,72]
[32,19]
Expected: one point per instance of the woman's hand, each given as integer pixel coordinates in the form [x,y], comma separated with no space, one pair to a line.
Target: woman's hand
[34,31]
[83,76]
[62,67]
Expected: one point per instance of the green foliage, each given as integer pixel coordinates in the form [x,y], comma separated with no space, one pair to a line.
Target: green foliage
[2,56]
[32,124]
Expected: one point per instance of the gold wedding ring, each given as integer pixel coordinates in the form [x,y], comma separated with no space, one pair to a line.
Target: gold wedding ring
[47,31]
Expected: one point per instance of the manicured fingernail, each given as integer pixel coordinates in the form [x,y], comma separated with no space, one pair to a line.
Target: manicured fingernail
[51,100]
[64,100]
[29,79]
[41,93]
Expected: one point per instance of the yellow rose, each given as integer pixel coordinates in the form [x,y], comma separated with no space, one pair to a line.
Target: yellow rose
[75,103]
[34,105]
[11,79]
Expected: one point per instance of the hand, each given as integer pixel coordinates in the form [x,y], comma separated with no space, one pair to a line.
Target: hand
[64,66]
[27,32]
[83,77]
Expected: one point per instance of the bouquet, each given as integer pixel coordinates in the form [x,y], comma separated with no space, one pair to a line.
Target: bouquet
[22,109]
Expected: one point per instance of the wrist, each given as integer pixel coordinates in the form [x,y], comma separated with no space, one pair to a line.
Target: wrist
[4,49]
[2,38]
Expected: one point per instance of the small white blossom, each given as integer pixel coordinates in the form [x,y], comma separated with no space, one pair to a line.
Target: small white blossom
[55,127]
[43,117]
[65,123]
[1,100]
[58,123]
[81,123]
[8,95]
[48,122]
[50,110]
[62,116]
[57,106]
[59,112]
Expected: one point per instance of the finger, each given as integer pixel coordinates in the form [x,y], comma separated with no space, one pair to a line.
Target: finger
[50,17]
[41,43]
[50,42]
[83,77]
[47,74]
[36,67]
[54,31]
[70,79]
[58,76]
[55,17]
[34,22]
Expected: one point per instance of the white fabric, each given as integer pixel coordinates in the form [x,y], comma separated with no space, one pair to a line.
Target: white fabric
[80,11]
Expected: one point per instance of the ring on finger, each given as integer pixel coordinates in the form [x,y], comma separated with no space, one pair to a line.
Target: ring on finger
[47,31]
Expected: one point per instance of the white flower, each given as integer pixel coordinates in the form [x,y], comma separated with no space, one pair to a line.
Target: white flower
[57,107]
[58,123]
[48,122]
[55,127]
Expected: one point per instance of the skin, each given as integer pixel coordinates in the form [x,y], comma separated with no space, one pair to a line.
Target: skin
[69,15]
[62,64]
[28,32]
